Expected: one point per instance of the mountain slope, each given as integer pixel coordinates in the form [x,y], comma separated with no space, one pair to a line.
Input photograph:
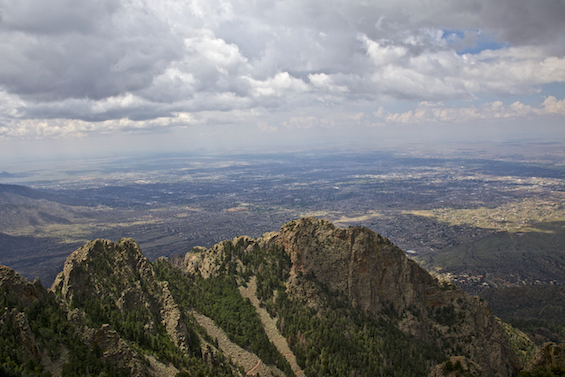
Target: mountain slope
[40,336]
[363,285]
[116,287]
[375,274]
[28,192]
[345,301]
[106,278]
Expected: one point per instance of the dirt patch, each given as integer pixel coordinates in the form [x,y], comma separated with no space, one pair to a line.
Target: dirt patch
[270,326]
[248,360]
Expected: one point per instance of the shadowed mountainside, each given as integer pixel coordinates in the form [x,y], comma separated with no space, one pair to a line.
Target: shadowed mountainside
[345,301]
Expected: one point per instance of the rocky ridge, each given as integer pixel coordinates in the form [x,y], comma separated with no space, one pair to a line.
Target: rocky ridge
[119,274]
[46,331]
[374,274]
[123,314]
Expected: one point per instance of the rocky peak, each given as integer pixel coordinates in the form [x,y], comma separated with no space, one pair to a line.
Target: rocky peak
[24,293]
[100,263]
[116,275]
[368,268]
[375,275]
[21,288]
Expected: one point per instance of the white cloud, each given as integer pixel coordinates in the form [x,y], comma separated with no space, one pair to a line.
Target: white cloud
[552,106]
[426,112]
[72,67]
[282,83]
[324,82]
[265,127]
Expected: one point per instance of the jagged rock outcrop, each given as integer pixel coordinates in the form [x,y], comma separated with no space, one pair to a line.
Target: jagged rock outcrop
[118,274]
[34,297]
[456,366]
[550,355]
[365,266]
[23,290]
[117,351]
[110,296]
[24,293]
[25,336]
[374,274]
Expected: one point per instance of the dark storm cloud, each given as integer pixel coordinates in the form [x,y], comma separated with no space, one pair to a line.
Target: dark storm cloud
[81,49]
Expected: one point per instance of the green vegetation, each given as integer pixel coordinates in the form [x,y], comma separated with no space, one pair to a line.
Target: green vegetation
[339,341]
[219,299]
[131,325]
[47,320]
[334,341]
[532,309]
[327,335]
[554,371]
[139,324]
[520,343]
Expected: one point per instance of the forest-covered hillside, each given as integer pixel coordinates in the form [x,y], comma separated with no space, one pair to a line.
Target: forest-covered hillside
[308,300]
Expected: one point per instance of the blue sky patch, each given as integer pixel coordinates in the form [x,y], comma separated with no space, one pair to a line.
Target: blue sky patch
[472,41]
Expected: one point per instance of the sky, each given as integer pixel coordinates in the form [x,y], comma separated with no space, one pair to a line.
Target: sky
[115,77]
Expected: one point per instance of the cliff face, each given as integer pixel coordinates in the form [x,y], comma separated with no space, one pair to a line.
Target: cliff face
[21,293]
[375,275]
[44,335]
[114,305]
[368,268]
[39,334]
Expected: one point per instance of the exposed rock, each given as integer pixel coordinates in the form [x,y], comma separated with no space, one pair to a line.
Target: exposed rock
[25,293]
[116,350]
[550,355]
[374,274]
[23,290]
[103,270]
[26,337]
[456,366]
[171,319]
[356,265]
[365,266]
[247,360]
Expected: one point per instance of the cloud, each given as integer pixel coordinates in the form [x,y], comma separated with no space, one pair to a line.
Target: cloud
[265,127]
[82,49]
[58,128]
[442,75]
[427,112]
[108,65]
[552,106]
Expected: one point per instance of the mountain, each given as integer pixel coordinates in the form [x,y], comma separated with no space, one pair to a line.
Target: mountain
[308,300]
[39,229]
[41,336]
[28,192]
[363,273]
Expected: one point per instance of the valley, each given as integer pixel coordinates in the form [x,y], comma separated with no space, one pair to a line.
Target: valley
[436,207]
[493,226]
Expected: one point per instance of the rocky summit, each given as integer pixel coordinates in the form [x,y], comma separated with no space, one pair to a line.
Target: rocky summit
[308,300]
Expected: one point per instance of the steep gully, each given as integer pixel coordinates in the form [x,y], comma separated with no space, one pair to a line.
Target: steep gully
[249,361]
